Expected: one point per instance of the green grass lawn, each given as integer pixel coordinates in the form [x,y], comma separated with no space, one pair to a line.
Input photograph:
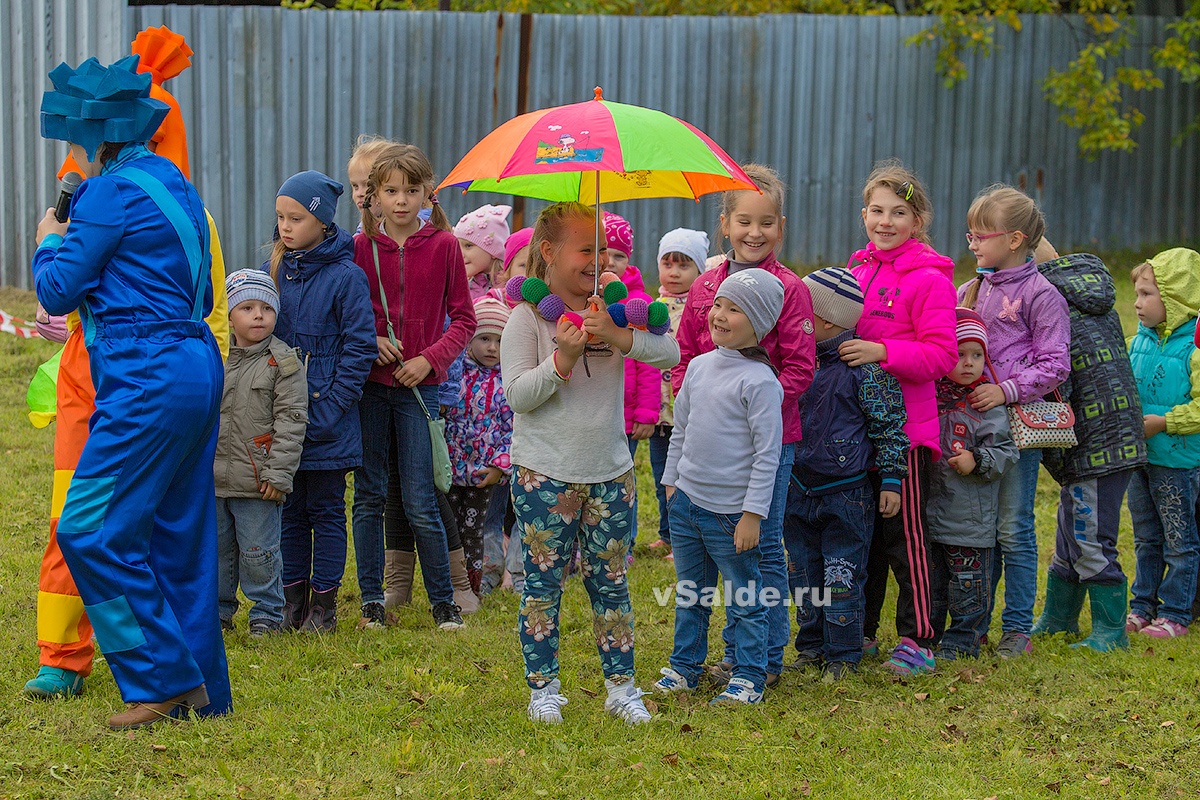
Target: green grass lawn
[414,712]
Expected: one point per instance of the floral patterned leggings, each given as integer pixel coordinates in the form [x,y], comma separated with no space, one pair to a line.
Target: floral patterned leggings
[551,515]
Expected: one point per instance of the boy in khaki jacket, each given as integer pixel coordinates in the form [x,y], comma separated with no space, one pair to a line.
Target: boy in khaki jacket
[264,413]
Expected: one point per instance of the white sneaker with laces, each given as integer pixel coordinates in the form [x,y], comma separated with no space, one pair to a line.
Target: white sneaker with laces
[671,682]
[625,702]
[545,704]
[739,692]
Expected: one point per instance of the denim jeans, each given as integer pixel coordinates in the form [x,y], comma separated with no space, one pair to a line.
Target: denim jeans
[1162,502]
[633,521]
[1016,545]
[961,588]
[248,532]
[313,531]
[660,442]
[773,566]
[552,516]
[702,541]
[391,416]
[828,536]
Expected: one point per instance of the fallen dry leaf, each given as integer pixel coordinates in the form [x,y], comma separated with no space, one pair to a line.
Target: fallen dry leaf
[1055,787]
[921,695]
[957,708]
[521,753]
[651,706]
[1167,723]
[805,788]
[1105,781]
[482,666]
[416,697]
[494,762]
[158,748]
[685,728]
[671,759]
[1149,651]
[361,666]
[835,708]
[638,765]
[588,692]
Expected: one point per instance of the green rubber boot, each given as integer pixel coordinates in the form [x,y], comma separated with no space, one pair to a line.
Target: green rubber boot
[1064,601]
[53,682]
[1109,604]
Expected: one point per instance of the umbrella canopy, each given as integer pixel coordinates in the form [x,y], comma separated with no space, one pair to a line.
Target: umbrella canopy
[618,151]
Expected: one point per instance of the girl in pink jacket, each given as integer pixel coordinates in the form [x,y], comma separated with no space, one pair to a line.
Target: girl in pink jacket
[907,327]
[753,222]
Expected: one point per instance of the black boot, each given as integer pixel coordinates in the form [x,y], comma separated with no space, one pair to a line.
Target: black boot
[295,605]
[322,612]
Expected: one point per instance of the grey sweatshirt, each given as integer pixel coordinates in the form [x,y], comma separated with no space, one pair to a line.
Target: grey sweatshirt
[728,434]
[575,431]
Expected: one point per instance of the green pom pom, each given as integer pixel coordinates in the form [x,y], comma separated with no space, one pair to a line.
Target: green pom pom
[615,292]
[659,315]
[534,290]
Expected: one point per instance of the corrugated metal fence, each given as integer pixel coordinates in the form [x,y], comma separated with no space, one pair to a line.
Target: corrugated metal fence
[274,91]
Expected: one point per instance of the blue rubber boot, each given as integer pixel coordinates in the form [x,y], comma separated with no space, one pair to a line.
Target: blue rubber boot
[52,682]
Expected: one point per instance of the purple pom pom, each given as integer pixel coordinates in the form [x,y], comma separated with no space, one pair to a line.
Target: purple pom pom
[551,307]
[637,312]
[512,289]
[617,312]
[659,330]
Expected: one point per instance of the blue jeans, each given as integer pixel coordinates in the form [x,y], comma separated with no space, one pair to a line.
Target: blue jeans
[633,523]
[248,533]
[313,532]
[1085,538]
[774,570]
[702,541]
[391,414]
[660,442]
[961,588]
[1016,545]
[829,535]
[1162,502]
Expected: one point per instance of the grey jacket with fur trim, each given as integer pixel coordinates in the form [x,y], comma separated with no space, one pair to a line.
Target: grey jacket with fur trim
[264,413]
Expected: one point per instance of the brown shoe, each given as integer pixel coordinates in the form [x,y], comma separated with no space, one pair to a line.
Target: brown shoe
[139,715]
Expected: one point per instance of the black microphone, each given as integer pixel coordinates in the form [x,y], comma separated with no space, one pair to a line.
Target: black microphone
[70,183]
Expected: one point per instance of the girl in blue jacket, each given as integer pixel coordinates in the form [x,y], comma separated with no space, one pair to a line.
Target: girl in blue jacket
[325,311]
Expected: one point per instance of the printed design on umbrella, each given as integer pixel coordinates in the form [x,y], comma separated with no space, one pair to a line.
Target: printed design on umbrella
[638,177]
[567,149]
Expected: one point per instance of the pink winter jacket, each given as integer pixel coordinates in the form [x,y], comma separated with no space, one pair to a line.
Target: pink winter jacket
[643,386]
[908,306]
[790,344]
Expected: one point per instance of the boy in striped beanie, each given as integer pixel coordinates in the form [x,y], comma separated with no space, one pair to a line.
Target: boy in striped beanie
[853,420]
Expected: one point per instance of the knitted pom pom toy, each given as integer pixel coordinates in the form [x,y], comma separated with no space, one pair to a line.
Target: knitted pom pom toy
[658,315]
[512,289]
[637,312]
[615,292]
[551,307]
[533,290]
[659,330]
[574,319]
[617,312]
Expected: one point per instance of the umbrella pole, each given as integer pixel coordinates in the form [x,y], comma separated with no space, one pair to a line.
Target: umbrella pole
[596,252]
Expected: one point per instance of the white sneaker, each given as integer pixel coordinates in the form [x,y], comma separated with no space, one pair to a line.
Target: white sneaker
[671,682]
[625,702]
[545,704]
[739,692]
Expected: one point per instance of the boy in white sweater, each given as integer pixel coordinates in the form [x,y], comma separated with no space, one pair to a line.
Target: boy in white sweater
[719,478]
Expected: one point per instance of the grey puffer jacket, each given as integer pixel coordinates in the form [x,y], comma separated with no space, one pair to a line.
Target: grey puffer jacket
[264,413]
[962,509]
[1101,388]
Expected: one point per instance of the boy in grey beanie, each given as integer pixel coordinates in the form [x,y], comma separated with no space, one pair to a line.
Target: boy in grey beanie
[256,461]
[720,476]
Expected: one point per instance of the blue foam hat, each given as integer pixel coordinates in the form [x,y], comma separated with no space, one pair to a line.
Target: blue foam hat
[94,104]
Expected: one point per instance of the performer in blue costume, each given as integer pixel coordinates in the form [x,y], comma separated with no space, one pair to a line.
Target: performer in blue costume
[138,529]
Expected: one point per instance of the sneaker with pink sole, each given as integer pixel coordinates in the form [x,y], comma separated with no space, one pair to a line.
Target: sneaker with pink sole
[1135,623]
[1163,628]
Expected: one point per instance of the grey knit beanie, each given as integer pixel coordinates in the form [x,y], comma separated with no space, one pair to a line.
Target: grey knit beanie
[759,295]
[836,296]
[251,284]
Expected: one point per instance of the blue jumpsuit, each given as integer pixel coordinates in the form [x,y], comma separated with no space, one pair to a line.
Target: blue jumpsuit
[138,529]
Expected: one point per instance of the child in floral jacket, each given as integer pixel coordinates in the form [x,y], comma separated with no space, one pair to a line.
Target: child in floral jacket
[479,433]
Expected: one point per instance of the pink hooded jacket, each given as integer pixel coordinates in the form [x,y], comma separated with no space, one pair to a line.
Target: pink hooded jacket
[790,344]
[908,306]
[643,386]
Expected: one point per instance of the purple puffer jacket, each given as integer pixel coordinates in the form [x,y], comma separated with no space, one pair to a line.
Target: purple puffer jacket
[1029,331]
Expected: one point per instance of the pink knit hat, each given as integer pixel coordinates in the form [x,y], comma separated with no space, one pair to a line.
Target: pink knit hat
[487,227]
[520,239]
[619,233]
[491,316]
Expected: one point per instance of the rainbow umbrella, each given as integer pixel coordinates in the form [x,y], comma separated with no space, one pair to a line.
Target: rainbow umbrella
[597,149]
